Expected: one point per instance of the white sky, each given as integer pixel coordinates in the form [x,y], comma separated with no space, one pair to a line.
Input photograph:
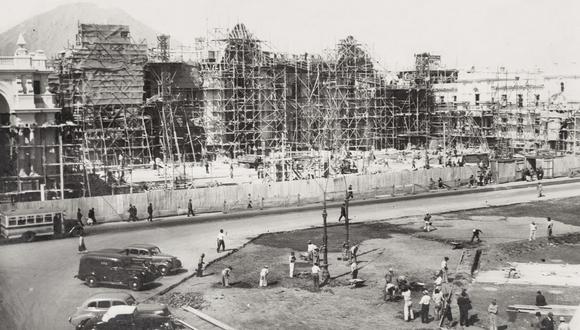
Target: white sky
[485,33]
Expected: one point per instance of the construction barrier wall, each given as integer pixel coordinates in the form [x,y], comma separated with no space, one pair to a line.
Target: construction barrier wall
[273,194]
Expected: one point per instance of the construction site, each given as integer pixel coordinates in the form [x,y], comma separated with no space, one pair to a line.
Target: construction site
[229,109]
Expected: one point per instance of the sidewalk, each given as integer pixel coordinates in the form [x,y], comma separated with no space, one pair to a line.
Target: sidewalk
[177,220]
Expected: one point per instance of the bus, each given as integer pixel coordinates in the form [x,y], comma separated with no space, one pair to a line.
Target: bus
[29,224]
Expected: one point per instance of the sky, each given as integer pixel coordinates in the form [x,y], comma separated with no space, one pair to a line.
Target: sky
[517,34]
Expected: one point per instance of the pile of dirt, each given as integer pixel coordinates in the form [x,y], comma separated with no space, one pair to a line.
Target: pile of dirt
[180,299]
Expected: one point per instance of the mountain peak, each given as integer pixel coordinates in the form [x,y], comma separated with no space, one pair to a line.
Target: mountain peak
[53,30]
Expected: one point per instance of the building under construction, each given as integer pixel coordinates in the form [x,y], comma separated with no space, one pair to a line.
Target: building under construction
[127,107]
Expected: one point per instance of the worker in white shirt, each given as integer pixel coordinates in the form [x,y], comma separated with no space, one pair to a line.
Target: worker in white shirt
[437,303]
[316,276]
[533,229]
[492,311]
[310,250]
[291,263]
[220,241]
[408,306]
[264,276]
[424,302]
[226,276]
[563,325]
[354,270]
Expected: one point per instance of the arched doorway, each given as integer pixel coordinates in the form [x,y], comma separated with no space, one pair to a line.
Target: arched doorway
[4,111]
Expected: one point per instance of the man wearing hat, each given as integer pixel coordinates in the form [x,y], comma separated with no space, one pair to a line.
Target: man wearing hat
[492,311]
[548,322]
[424,302]
[226,276]
[563,325]
[264,276]
[310,250]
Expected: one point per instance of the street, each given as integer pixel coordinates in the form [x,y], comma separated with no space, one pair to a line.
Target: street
[38,290]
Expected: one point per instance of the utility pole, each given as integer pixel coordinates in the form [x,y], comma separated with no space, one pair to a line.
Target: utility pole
[444,144]
[325,272]
[61,164]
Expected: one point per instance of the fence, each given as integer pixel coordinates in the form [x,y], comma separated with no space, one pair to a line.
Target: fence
[276,194]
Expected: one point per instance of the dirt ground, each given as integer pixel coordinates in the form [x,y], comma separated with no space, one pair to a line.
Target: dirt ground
[289,303]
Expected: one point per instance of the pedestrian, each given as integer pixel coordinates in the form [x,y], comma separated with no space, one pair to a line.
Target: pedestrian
[428,224]
[437,303]
[540,299]
[563,325]
[464,304]
[150,212]
[475,235]
[440,183]
[316,276]
[353,270]
[444,269]
[200,264]
[345,250]
[291,263]
[249,201]
[550,227]
[349,194]
[540,190]
[537,324]
[92,220]
[354,252]
[413,166]
[408,314]
[548,322]
[342,212]
[231,170]
[130,212]
[540,173]
[79,216]
[82,247]
[190,208]
[310,249]
[206,167]
[424,302]
[220,241]
[492,312]
[226,276]
[264,276]
[471,181]
[533,229]
[135,218]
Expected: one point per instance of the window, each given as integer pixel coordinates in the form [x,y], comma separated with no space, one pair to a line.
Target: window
[48,217]
[39,218]
[454,98]
[12,221]
[144,252]
[21,221]
[92,304]
[124,34]
[118,303]
[30,219]
[104,304]
[476,99]
[133,251]
[442,99]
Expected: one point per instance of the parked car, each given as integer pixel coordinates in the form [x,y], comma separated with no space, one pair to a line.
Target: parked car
[128,318]
[98,304]
[100,267]
[148,253]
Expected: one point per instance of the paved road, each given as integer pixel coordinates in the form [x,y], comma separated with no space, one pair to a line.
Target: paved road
[38,290]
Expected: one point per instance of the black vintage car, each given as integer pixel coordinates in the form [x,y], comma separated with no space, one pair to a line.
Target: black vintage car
[101,267]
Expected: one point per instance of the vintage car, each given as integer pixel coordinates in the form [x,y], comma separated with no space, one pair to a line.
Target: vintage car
[104,267]
[148,253]
[128,318]
[96,305]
